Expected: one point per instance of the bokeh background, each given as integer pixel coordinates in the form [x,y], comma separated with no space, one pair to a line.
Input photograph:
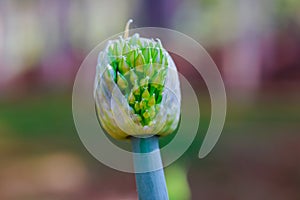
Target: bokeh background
[256,45]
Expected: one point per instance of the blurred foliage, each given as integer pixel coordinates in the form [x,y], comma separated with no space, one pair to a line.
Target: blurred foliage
[51,114]
[287,8]
[178,186]
[39,115]
[41,35]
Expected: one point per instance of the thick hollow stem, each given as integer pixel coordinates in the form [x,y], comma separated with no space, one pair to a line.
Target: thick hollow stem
[150,185]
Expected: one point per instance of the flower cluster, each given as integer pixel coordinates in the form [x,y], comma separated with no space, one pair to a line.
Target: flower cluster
[130,87]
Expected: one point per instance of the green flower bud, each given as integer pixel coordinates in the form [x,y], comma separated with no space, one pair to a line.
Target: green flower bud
[152,112]
[144,82]
[148,69]
[159,78]
[147,54]
[146,120]
[123,66]
[133,77]
[117,49]
[110,73]
[156,55]
[139,62]
[134,39]
[137,90]
[146,94]
[159,98]
[131,57]
[110,50]
[126,49]
[152,101]
[164,60]
[158,44]
[146,114]
[114,63]
[121,81]
[137,107]
[143,104]
[131,99]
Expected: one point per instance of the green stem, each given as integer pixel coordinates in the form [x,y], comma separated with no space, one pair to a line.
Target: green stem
[150,185]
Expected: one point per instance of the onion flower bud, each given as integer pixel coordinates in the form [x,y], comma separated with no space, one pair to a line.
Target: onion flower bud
[137,89]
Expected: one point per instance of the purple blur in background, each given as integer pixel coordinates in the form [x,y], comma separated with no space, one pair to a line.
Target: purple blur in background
[256,46]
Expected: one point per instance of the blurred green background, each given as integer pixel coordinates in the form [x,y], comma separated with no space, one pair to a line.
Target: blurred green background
[255,44]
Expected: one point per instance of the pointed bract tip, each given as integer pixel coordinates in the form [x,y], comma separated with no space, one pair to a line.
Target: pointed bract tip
[126,32]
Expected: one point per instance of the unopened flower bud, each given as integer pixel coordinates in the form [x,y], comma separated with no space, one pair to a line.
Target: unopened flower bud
[138,81]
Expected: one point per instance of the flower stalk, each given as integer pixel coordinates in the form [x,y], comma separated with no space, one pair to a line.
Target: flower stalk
[137,95]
